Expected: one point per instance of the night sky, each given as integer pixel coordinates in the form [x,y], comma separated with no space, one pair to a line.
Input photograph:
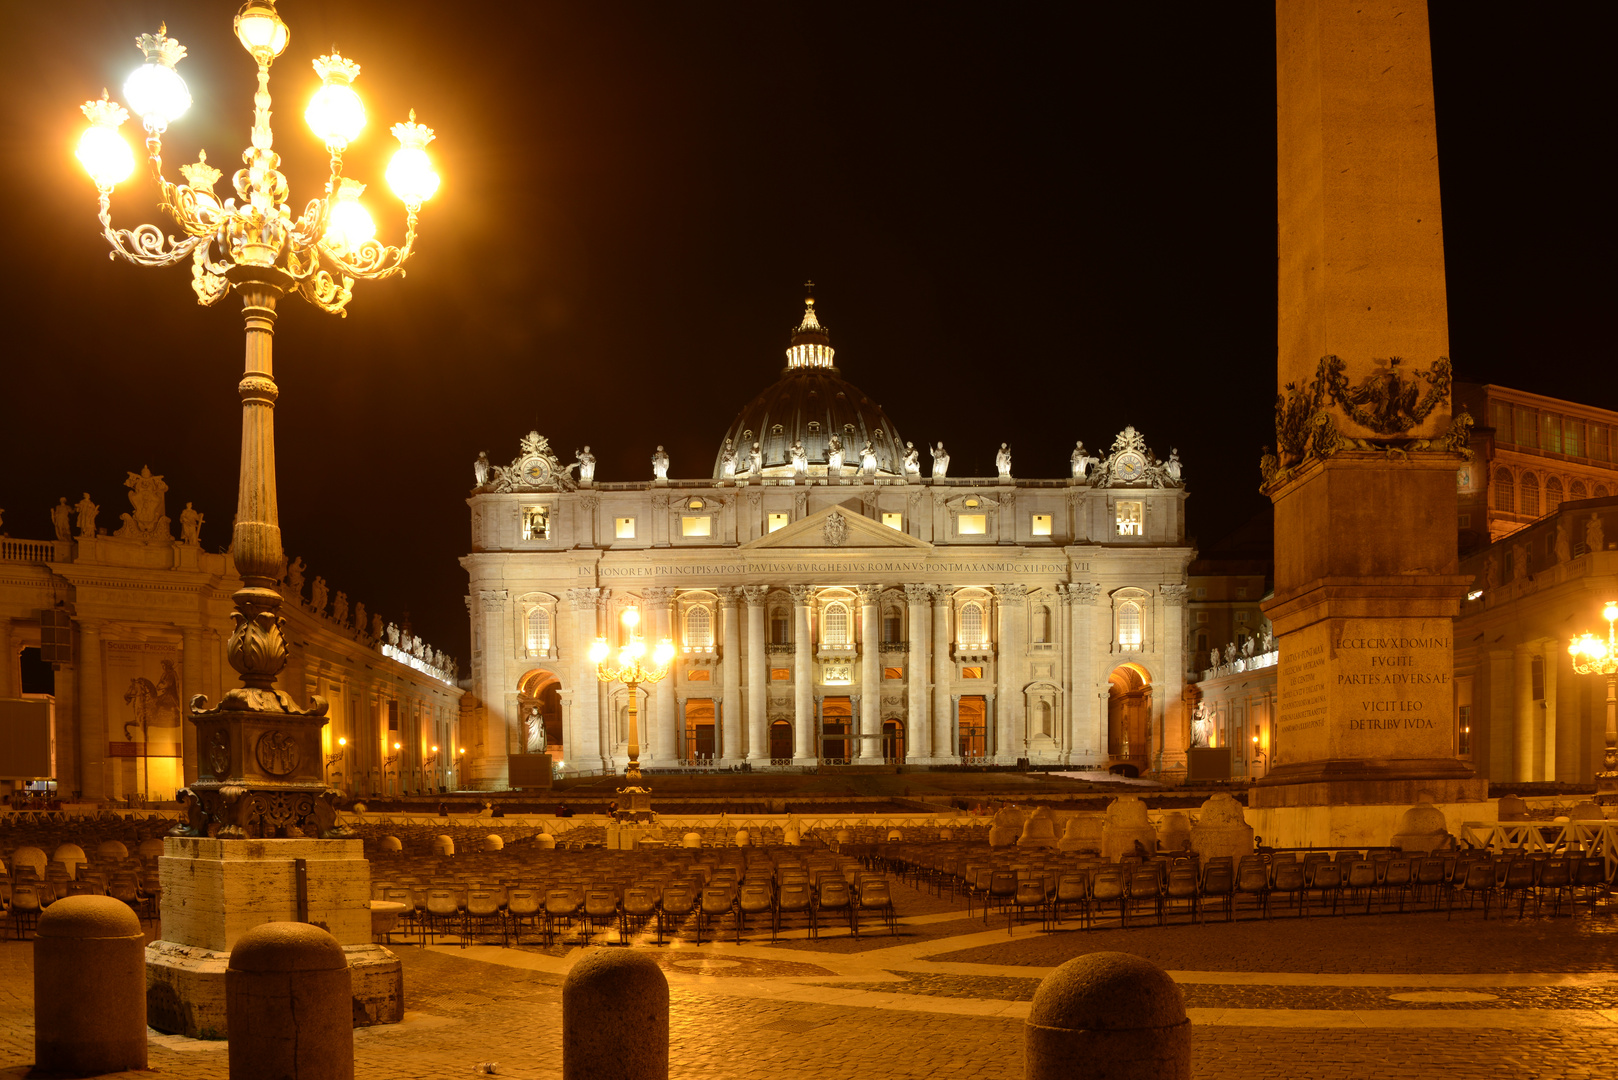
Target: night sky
[1029,223]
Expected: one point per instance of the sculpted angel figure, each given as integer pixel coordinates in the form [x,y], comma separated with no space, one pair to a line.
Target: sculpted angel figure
[940,461]
[587,464]
[660,464]
[1002,460]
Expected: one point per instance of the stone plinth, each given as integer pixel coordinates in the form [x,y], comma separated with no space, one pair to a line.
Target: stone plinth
[1127,823]
[1222,829]
[214,891]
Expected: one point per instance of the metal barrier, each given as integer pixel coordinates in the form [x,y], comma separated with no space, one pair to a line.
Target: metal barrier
[1597,838]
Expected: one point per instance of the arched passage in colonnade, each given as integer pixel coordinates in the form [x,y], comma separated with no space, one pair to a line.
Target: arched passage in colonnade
[1129,710]
[539,715]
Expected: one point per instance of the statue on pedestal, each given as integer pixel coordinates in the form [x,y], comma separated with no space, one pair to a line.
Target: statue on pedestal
[295,575]
[376,629]
[339,609]
[62,518]
[755,464]
[1595,538]
[868,459]
[393,634]
[799,456]
[1002,461]
[727,461]
[587,465]
[660,465]
[912,462]
[1172,465]
[534,729]
[318,595]
[87,511]
[1201,725]
[148,522]
[480,468]
[359,616]
[940,461]
[834,457]
[190,526]
[1082,461]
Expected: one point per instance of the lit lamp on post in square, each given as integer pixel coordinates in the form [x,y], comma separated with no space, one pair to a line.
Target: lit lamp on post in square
[1593,656]
[259,768]
[633,669]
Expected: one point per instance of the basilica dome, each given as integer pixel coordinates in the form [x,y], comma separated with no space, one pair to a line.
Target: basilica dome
[809,404]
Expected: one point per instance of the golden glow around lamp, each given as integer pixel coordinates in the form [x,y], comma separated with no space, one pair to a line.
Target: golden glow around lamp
[155,90]
[260,30]
[410,173]
[336,113]
[599,650]
[102,150]
[349,224]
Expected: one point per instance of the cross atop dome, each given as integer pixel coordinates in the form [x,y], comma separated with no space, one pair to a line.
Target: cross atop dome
[811,342]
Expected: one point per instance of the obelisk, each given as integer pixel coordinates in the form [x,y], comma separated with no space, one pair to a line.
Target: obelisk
[1364,475]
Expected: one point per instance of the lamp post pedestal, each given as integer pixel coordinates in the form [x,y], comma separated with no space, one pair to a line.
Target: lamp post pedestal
[1607,778]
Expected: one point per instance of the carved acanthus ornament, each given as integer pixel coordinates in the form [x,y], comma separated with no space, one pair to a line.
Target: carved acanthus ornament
[801,594]
[1011,595]
[869,594]
[1385,402]
[1173,593]
[756,594]
[1083,592]
[918,594]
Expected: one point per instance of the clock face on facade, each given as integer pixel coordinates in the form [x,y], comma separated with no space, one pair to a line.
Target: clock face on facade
[1129,466]
[536,470]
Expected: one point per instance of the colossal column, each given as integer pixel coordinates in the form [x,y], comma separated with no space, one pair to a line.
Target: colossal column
[758,676]
[1527,726]
[1363,478]
[1011,735]
[191,676]
[943,725]
[730,746]
[92,718]
[919,745]
[665,722]
[804,751]
[1175,733]
[9,665]
[870,743]
[586,687]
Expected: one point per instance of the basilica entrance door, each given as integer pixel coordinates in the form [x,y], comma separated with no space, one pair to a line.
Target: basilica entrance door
[973,712]
[893,741]
[781,742]
[699,740]
[1129,709]
[837,720]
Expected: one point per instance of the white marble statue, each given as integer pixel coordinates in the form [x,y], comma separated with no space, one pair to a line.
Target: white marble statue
[912,462]
[480,468]
[295,574]
[868,458]
[727,461]
[359,616]
[377,629]
[660,464]
[535,731]
[1172,465]
[834,456]
[1002,461]
[1595,538]
[190,525]
[1230,652]
[87,512]
[1266,640]
[940,461]
[755,464]
[393,634]
[1247,646]
[799,456]
[318,595]
[587,465]
[339,609]
[62,519]
[1202,725]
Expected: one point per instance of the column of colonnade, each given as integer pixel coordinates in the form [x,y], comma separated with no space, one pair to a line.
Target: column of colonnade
[919,742]
[730,706]
[664,721]
[758,676]
[869,745]
[804,752]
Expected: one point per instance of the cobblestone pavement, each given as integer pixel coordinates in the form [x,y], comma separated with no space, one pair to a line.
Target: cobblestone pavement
[1391,996]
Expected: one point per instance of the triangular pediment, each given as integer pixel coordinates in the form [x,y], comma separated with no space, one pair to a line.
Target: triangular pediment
[850,530]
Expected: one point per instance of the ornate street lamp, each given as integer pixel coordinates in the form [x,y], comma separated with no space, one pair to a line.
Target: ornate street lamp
[633,670]
[1592,656]
[259,768]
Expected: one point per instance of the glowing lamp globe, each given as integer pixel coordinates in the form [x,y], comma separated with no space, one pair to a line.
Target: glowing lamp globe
[336,113]
[410,173]
[1610,612]
[664,654]
[155,90]
[631,616]
[103,152]
[349,224]
[598,651]
[260,30]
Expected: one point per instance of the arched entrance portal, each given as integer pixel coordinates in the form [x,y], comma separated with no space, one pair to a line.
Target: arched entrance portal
[1129,710]
[539,715]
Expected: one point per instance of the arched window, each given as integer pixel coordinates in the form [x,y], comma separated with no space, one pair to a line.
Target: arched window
[1600,492]
[1504,492]
[834,626]
[1129,625]
[971,624]
[1528,498]
[698,628]
[1042,624]
[539,632]
[1576,492]
[1553,493]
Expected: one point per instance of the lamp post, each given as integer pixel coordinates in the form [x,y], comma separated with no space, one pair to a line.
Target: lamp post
[633,669]
[427,768]
[388,762]
[342,748]
[259,762]
[1593,656]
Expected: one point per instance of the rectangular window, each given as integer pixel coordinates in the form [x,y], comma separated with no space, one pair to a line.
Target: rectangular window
[777,521]
[779,633]
[1041,525]
[1526,426]
[1202,592]
[893,521]
[971,673]
[1599,449]
[892,628]
[695,524]
[1241,592]
[971,524]
[893,673]
[699,675]
[1466,521]
[536,523]
[1573,437]
[624,528]
[1463,733]
[1202,616]
[1550,432]
[780,674]
[1129,519]
[1500,417]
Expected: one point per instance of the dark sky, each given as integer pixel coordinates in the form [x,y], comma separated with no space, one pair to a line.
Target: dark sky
[1030,223]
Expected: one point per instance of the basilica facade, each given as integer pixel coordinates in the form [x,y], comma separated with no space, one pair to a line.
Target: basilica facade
[827,603]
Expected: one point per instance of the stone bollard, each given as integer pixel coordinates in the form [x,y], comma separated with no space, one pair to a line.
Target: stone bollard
[1107,1016]
[89,988]
[289,1005]
[1421,828]
[1511,808]
[391,843]
[493,842]
[691,840]
[1039,830]
[443,845]
[615,1019]
[545,841]
[1222,829]
[743,839]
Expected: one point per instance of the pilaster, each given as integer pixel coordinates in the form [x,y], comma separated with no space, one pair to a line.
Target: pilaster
[1011,735]
[664,737]
[92,725]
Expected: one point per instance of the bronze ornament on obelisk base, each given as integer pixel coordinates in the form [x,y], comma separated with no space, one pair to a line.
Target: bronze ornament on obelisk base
[1363,475]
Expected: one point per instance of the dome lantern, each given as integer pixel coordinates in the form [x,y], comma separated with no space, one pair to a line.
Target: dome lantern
[811,342]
